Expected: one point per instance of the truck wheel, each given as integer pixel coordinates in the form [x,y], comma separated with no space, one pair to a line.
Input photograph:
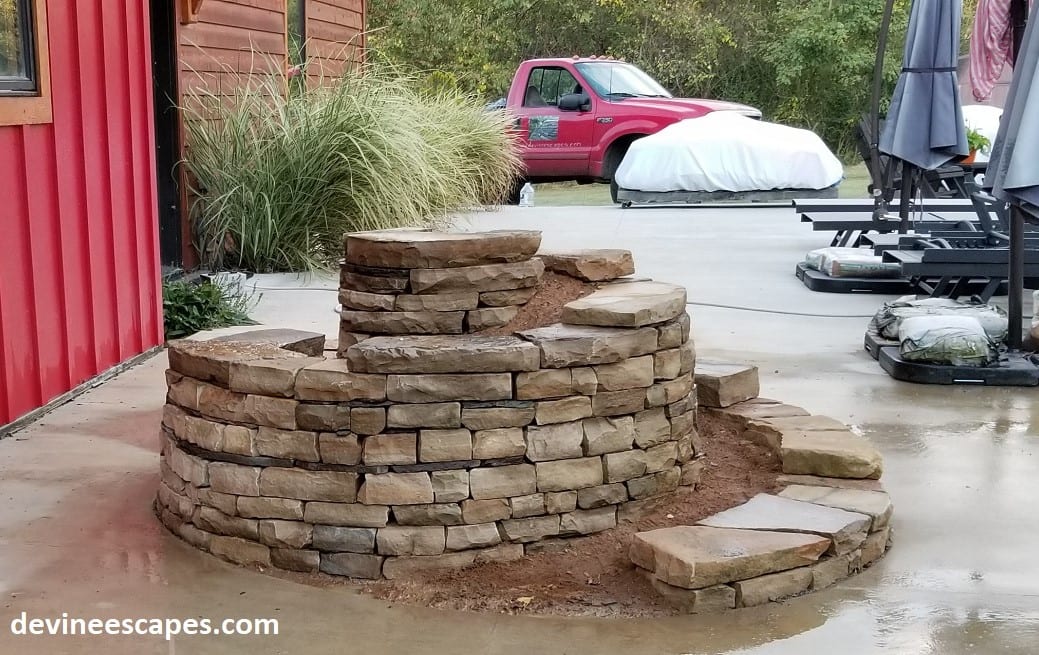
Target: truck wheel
[614,189]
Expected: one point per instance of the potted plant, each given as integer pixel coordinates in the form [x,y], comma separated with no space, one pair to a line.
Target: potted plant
[975,141]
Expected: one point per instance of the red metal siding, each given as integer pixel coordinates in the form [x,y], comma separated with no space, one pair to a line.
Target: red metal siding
[79,278]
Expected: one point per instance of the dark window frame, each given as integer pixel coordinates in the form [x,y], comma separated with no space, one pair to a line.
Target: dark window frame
[544,82]
[29,85]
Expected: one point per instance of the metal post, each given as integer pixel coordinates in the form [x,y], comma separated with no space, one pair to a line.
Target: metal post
[879,181]
[1015,285]
[905,196]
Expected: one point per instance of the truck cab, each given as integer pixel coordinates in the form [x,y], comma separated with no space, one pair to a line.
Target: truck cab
[575,118]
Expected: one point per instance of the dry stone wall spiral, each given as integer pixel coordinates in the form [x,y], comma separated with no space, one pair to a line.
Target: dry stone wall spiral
[421,444]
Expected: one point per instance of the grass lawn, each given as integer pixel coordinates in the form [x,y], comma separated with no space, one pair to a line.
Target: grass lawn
[562,194]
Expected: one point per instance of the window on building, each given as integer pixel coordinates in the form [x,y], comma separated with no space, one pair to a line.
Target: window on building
[18,73]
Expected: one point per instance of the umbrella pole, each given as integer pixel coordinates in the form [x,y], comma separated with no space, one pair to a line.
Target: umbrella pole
[905,196]
[880,181]
[1016,287]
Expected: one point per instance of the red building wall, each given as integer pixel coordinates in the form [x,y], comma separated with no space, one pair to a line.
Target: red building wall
[79,278]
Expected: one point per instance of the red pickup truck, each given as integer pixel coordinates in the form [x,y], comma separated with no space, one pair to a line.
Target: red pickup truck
[575,118]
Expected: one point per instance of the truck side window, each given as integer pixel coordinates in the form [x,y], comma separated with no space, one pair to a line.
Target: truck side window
[546,84]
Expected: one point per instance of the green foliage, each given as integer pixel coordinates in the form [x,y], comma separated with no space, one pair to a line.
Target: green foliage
[282,178]
[977,141]
[803,62]
[189,307]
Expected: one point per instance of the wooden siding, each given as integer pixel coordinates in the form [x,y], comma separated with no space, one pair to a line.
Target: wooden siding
[335,37]
[79,279]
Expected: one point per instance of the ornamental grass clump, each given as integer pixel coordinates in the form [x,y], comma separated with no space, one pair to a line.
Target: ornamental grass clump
[281,177]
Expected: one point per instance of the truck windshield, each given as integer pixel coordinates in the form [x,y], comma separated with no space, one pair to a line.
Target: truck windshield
[613,79]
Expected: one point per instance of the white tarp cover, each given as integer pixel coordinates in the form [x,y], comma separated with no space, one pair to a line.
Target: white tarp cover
[726,151]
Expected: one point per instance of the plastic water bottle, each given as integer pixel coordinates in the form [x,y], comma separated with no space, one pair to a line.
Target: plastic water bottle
[527,195]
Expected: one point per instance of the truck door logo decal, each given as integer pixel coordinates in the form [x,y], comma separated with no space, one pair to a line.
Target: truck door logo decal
[605,120]
[544,128]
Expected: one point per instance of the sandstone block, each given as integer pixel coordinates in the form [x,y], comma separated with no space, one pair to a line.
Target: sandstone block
[443,354]
[390,449]
[602,496]
[490,277]
[396,489]
[627,304]
[287,444]
[438,302]
[875,504]
[492,418]
[502,482]
[508,297]
[435,514]
[721,384]
[563,410]
[445,445]
[466,537]
[353,515]
[361,279]
[569,474]
[874,546]
[530,529]
[322,418]
[344,540]
[190,468]
[669,391]
[694,601]
[557,441]
[544,383]
[661,458]
[694,557]
[351,565]
[558,502]
[572,345]
[291,559]
[285,534]
[240,551]
[485,511]
[450,486]
[654,484]
[405,249]
[667,364]
[311,344]
[410,540]
[633,373]
[847,530]
[270,508]
[837,483]
[240,440]
[368,420]
[623,466]
[184,393]
[830,570]
[203,433]
[498,443]
[832,454]
[588,521]
[590,265]
[332,381]
[692,472]
[211,360]
[651,428]
[403,322]
[608,435]
[526,506]
[615,403]
[446,388]
[674,333]
[332,486]
[269,411]
[687,358]
[399,567]
[489,317]
[213,520]
[367,302]
[339,449]
[772,587]
[230,478]
[428,415]
[585,381]
[268,377]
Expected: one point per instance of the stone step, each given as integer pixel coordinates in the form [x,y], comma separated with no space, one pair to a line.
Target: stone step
[482,278]
[307,343]
[837,483]
[769,432]
[696,557]
[443,354]
[875,504]
[830,453]
[627,304]
[405,249]
[722,384]
[590,265]
[847,530]
[576,345]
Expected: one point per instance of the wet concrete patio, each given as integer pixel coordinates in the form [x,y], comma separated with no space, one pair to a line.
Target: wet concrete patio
[962,465]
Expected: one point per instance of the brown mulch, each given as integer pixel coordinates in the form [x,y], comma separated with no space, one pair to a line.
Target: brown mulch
[546,307]
[593,575]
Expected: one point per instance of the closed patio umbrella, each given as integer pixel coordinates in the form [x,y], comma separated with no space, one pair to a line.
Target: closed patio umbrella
[1013,169]
[924,125]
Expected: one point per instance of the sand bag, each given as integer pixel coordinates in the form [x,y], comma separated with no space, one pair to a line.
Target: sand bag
[820,258]
[955,340]
[862,266]
[890,317]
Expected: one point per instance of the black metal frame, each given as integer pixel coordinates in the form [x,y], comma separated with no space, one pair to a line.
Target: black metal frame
[167,132]
[29,85]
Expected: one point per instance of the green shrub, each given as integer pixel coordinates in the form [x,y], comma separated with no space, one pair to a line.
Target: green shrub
[189,307]
[281,179]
